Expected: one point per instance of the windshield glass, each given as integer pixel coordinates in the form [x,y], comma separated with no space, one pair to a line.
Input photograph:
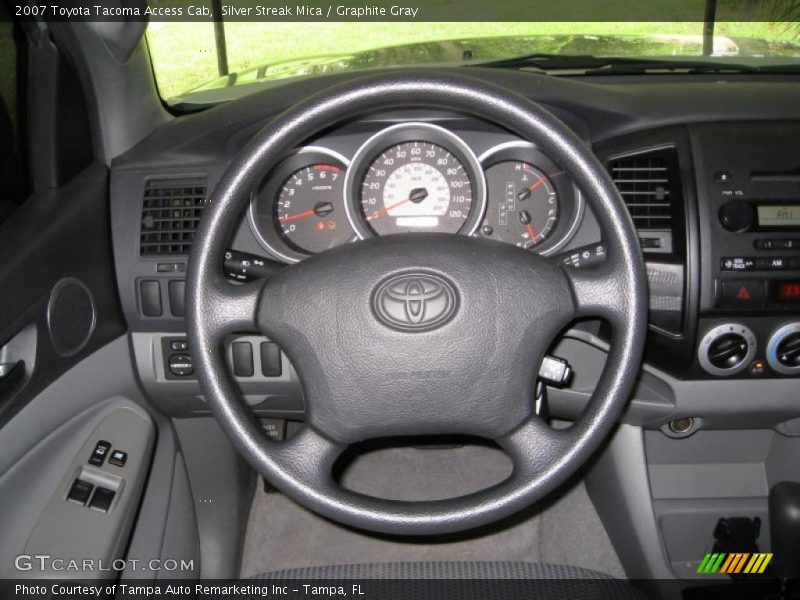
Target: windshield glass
[195,57]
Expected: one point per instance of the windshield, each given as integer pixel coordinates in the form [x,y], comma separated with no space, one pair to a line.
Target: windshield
[195,57]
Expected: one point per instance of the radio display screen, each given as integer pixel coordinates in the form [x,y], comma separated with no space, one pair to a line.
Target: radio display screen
[779,215]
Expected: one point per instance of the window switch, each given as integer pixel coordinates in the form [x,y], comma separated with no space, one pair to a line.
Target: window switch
[118,458]
[80,491]
[102,499]
[99,453]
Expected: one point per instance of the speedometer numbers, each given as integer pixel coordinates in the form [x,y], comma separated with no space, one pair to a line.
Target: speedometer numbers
[524,205]
[415,177]
[416,186]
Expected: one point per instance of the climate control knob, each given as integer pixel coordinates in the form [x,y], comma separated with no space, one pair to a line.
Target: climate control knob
[783,350]
[727,349]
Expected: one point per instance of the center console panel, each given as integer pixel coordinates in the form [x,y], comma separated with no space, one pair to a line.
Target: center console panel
[748,189]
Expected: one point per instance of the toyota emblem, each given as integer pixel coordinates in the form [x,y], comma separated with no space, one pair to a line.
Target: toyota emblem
[415,301]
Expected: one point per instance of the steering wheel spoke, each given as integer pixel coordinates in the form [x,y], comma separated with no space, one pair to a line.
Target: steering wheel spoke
[598,292]
[309,456]
[233,308]
[534,446]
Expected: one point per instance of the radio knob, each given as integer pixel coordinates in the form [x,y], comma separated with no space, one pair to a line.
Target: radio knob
[783,350]
[737,215]
[727,349]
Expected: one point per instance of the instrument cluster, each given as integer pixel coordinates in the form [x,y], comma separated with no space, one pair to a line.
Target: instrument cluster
[410,178]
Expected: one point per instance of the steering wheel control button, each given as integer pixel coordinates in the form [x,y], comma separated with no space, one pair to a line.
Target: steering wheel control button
[181,365]
[270,359]
[150,298]
[80,491]
[415,301]
[118,458]
[727,349]
[102,499]
[242,353]
[743,292]
[99,453]
[783,350]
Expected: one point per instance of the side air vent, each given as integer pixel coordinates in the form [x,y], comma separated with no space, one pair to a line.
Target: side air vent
[170,215]
[650,184]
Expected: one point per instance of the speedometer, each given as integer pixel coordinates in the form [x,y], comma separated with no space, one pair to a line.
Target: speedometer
[415,178]
[416,186]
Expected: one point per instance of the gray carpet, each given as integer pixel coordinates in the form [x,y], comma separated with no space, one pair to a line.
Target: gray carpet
[565,530]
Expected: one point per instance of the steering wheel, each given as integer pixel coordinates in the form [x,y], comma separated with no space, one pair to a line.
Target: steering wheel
[467,366]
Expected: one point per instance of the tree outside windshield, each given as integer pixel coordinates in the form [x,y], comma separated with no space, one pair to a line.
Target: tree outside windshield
[184,54]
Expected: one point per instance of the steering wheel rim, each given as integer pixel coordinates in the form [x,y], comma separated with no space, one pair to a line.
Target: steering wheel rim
[301,467]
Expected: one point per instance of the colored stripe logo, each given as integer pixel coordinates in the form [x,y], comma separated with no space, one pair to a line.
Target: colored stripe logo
[734,563]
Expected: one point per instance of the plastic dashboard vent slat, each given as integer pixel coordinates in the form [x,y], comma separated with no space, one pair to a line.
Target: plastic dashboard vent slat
[171,211]
[649,184]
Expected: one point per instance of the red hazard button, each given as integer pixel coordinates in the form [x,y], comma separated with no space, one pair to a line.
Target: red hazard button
[743,292]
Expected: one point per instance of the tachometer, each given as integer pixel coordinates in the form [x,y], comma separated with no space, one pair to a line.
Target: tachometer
[299,209]
[306,209]
[415,178]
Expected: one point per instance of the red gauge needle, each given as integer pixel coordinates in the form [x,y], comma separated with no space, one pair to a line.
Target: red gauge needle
[531,233]
[300,215]
[385,209]
[536,184]
[525,193]
[525,219]
[416,196]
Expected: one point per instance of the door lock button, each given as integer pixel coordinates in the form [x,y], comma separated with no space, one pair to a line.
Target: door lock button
[118,458]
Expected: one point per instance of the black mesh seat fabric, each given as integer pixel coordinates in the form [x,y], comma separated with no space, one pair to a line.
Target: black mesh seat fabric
[466,580]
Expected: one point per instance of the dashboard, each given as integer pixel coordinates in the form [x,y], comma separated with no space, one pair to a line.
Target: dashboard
[412,177]
[707,169]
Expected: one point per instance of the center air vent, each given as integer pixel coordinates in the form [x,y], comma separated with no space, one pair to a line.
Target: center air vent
[170,215]
[649,182]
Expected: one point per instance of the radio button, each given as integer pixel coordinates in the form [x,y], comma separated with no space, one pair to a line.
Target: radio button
[743,292]
[738,264]
[778,263]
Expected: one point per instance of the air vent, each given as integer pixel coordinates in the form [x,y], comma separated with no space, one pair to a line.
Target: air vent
[170,215]
[649,182]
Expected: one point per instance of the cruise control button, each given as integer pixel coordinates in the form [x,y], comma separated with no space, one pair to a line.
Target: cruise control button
[99,453]
[743,292]
[181,365]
